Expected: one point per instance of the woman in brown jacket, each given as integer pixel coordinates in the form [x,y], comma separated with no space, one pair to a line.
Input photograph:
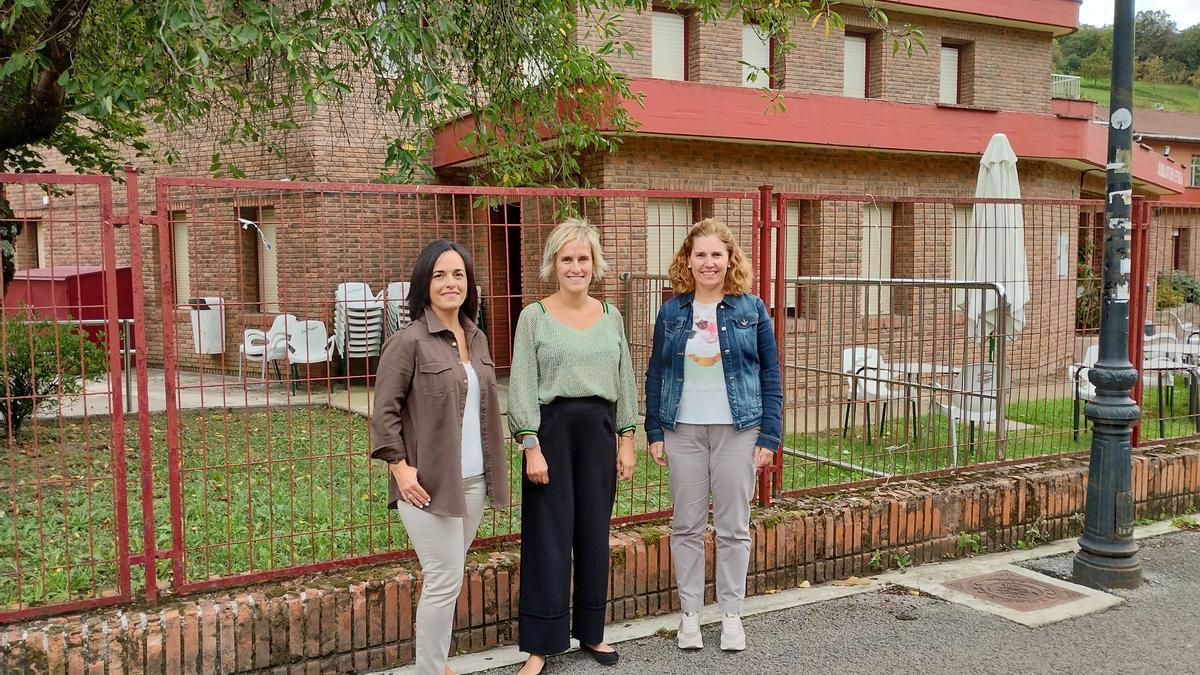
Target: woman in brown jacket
[437,424]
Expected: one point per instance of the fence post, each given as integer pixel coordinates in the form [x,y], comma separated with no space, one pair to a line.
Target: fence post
[145,449]
[166,270]
[1140,255]
[762,235]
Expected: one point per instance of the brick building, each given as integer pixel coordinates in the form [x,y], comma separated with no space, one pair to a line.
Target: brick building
[855,118]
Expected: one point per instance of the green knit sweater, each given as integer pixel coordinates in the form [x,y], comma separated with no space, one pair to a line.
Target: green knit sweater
[553,360]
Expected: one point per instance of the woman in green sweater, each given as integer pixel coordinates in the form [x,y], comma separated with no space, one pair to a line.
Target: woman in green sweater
[572,403]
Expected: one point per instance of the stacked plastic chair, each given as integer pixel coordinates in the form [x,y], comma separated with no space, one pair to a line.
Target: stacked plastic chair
[395,299]
[358,319]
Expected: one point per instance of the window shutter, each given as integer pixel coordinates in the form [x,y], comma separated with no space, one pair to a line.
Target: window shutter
[756,55]
[948,84]
[268,263]
[877,256]
[666,46]
[180,254]
[854,70]
[791,253]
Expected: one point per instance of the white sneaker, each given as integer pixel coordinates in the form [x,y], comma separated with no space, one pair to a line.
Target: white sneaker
[689,636]
[733,635]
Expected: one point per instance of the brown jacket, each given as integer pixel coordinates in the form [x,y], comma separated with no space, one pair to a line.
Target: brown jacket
[420,395]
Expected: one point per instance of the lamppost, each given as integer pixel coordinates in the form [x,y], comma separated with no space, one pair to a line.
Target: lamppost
[1108,555]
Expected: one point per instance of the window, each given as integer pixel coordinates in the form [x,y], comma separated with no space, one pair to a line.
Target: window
[876,262]
[180,256]
[388,68]
[948,83]
[268,263]
[963,217]
[667,223]
[43,246]
[854,67]
[668,46]
[1195,171]
[756,57]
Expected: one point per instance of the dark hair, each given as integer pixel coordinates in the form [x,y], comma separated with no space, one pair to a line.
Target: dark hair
[422,275]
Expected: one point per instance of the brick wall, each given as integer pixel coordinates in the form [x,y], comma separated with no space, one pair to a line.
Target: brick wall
[1002,68]
[363,621]
[833,242]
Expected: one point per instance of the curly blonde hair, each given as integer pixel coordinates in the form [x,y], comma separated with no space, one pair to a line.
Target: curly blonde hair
[739,277]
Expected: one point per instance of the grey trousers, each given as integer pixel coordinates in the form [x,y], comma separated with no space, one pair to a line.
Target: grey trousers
[441,544]
[711,459]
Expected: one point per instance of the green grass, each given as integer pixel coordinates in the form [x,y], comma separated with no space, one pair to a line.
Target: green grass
[260,490]
[265,490]
[1175,97]
[1047,431]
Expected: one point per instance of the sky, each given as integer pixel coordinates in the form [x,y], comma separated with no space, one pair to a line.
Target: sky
[1100,12]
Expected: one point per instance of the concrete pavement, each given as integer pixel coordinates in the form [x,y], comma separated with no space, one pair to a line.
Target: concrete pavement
[912,622]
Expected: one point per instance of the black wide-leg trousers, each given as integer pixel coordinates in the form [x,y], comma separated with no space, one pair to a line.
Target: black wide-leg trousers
[570,514]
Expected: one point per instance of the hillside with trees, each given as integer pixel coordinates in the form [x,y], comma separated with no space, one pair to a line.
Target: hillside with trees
[1166,61]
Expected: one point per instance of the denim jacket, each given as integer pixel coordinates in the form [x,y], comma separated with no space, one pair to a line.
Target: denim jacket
[748,355]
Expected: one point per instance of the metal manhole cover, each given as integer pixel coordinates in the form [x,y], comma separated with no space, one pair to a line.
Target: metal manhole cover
[1014,591]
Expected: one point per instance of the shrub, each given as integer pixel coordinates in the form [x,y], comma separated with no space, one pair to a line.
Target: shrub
[1166,296]
[43,361]
[1183,282]
[1087,299]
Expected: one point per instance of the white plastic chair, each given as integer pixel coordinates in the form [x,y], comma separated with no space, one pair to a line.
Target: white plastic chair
[1186,328]
[971,400]
[866,375]
[265,347]
[1084,390]
[395,298]
[1160,352]
[308,344]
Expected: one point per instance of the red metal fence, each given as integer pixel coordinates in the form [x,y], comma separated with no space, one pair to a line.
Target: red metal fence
[250,454]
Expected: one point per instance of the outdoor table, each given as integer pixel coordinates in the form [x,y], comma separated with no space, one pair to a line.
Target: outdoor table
[912,371]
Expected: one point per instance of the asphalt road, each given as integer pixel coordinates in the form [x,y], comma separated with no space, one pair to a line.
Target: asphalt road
[1157,631]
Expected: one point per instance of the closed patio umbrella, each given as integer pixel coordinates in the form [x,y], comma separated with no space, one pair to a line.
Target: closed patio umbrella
[994,247]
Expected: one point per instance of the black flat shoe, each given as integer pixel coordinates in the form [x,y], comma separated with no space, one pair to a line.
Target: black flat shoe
[603,658]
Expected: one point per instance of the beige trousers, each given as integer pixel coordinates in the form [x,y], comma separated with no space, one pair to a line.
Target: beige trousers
[441,544]
[711,459]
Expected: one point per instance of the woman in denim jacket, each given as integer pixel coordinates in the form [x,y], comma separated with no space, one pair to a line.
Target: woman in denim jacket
[714,411]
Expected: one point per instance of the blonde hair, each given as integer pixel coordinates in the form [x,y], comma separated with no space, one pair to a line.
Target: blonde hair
[739,277]
[573,229]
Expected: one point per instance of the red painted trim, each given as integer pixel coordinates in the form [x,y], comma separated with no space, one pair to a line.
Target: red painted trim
[690,109]
[1058,13]
[10,616]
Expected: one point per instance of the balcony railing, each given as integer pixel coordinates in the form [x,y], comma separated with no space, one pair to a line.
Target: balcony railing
[1064,86]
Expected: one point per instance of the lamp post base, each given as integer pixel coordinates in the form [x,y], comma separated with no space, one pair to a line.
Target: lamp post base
[1098,571]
